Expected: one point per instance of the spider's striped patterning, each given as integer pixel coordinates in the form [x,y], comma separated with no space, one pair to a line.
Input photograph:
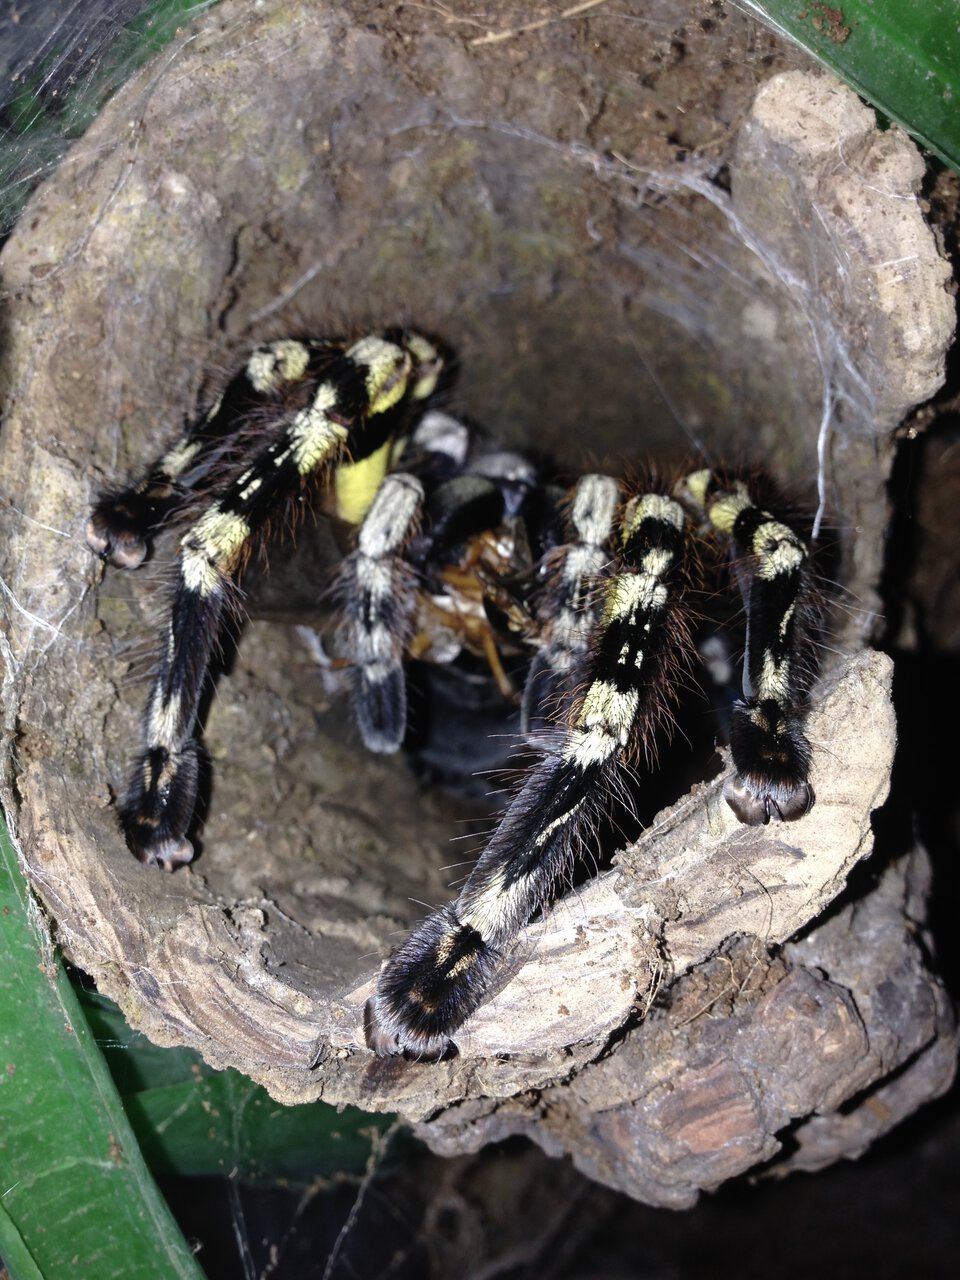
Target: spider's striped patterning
[319,405]
[461,548]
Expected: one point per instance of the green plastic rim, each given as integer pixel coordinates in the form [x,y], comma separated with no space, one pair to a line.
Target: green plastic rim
[903,56]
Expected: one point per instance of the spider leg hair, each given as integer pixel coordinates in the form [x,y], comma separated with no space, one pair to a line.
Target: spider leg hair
[570,606]
[349,414]
[770,750]
[378,592]
[121,523]
[442,972]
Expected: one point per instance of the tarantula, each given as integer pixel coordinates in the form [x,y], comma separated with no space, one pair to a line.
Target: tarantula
[459,545]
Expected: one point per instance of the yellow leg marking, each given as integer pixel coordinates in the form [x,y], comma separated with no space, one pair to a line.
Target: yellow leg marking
[212,549]
[355,484]
[388,371]
[314,436]
[283,361]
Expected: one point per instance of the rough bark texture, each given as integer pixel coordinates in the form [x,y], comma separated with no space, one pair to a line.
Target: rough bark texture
[529,201]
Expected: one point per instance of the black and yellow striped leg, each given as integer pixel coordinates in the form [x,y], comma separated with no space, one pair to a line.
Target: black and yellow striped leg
[440,975]
[571,606]
[769,747]
[122,522]
[342,414]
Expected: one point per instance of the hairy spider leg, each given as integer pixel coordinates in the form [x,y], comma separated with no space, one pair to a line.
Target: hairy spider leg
[350,414]
[569,610]
[379,599]
[442,972]
[769,747]
[121,523]
[400,580]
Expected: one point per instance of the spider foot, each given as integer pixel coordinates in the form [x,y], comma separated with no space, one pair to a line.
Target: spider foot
[119,524]
[755,801]
[428,988]
[166,855]
[772,756]
[160,807]
[123,548]
[380,706]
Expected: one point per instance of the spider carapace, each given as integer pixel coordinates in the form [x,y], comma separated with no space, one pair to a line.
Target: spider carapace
[460,546]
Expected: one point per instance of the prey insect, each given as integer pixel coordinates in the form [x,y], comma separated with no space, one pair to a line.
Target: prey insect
[460,547]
